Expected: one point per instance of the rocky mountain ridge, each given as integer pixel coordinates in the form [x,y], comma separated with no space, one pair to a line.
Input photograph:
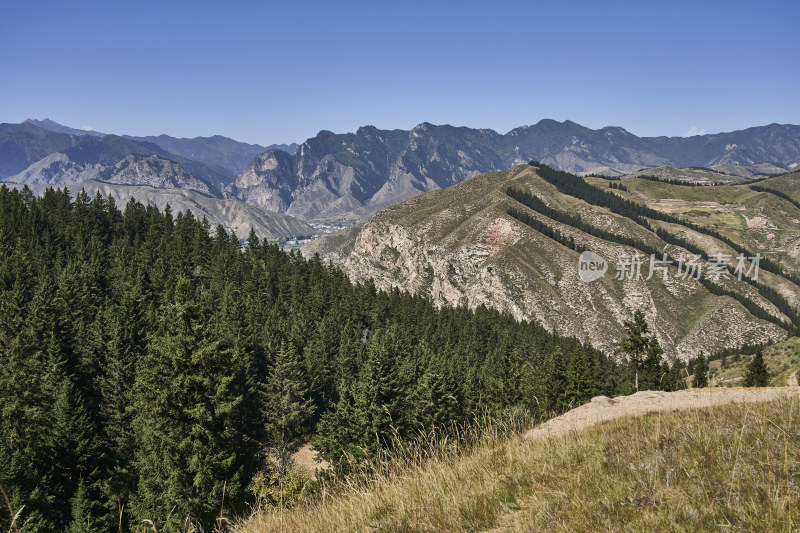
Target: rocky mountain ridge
[226,155]
[345,178]
[353,175]
[125,168]
[31,154]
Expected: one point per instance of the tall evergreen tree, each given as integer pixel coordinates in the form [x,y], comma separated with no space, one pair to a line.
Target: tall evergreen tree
[190,453]
[579,386]
[757,372]
[287,408]
[700,372]
[436,395]
[638,346]
[369,411]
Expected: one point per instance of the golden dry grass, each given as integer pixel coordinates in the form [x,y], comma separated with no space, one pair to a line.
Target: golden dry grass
[730,467]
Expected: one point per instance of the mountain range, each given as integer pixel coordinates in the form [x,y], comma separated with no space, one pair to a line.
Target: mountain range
[225,156]
[353,175]
[346,178]
[59,156]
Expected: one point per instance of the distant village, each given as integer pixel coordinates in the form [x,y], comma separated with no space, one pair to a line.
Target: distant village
[323,228]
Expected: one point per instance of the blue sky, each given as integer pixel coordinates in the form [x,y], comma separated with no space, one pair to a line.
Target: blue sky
[271,73]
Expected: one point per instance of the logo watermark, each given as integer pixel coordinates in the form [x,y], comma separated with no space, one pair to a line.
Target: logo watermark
[634,266]
[591,266]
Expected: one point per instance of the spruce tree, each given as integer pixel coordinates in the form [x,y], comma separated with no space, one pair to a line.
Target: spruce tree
[653,370]
[558,381]
[74,461]
[700,372]
[287,408]
[757,372]
[190,453]
[639,347]
[579,386]
[435,397]
[369,410]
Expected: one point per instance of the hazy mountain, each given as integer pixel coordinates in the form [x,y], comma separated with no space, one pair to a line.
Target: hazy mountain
[58,128]
[223,153]
[21,145]
[352,175]
[41,156]
[154,171]
[220,158]
[461,246]
[59,169]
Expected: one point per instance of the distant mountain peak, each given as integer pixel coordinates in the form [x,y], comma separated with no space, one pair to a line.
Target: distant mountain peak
[52,125]
[609,130]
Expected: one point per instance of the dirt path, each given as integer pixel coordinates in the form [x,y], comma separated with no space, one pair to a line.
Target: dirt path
[792,379]
[601,408]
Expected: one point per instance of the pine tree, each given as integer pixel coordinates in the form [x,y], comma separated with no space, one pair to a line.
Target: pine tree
[700,372]
[287,409]
[127,343]
[190,452]
[320,357]
[369,410]
[638,346]
[435,397]
[653,370]
[757,372]
[74,461]
[673,378]
[558,381]
[536,377]
[501,375]
[579,386]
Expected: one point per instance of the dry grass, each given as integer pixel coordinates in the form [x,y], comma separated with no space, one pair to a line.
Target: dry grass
[732,467]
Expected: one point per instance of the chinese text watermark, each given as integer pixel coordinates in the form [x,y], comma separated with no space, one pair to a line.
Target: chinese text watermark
[636,266]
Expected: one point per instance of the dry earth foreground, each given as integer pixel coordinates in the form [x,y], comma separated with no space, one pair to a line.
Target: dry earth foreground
[696,460]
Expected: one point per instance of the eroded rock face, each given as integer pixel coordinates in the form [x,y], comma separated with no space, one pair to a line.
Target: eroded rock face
[481,273]
[154,171]
[266,182]
[58,169]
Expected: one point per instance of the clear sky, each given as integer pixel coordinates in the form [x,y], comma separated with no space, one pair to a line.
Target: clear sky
[268,73]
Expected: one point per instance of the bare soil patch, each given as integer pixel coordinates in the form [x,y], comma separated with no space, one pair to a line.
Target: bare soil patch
[602,408]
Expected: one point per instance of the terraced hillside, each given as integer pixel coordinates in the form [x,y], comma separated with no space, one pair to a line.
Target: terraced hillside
[474,244]
[697,176]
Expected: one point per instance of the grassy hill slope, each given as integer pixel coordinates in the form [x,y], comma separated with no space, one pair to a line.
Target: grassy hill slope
[699,176]
[731,466]
[782,360]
